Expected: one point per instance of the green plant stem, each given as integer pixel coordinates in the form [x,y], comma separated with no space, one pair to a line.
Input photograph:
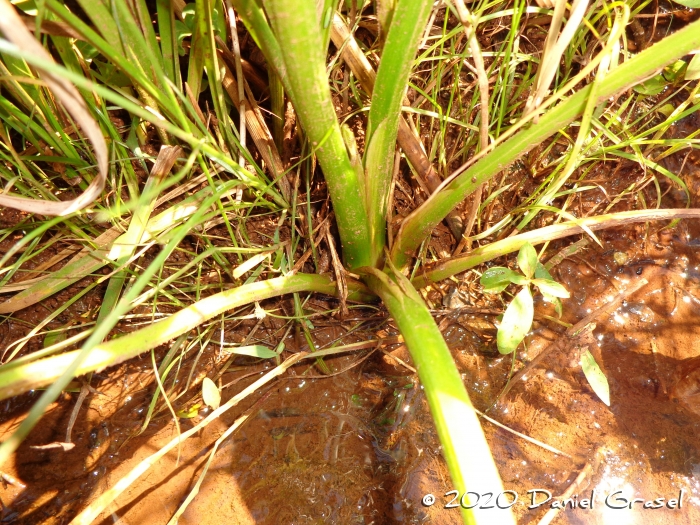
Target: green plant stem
[418,225]
[15,380]
[508,245]
[464,446]
[408,22]
[296,27]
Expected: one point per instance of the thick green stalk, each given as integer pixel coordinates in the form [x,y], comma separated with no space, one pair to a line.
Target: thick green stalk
[418,225]
[408,23]
[463,443]
[296,27]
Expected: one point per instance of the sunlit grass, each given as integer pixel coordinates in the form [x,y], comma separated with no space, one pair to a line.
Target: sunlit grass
[167,237]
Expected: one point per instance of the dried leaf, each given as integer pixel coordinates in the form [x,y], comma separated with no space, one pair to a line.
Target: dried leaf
[57,445]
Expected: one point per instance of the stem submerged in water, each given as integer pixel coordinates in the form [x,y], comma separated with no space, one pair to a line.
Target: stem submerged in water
[464,446]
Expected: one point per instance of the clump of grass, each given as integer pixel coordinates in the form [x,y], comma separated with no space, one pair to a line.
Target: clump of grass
[173,227]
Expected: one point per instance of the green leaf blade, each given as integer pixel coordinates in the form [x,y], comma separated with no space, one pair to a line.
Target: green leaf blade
[496,279]
[527,260]
[693,4]
[517,321]
[551,288]
[210,394]
[595,376]
[693,70]
[541,272]
[260,351]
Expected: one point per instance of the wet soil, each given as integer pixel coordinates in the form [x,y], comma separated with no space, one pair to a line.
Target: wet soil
[359,447]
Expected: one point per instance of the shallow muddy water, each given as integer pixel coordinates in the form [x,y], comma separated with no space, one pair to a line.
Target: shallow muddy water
[359,447]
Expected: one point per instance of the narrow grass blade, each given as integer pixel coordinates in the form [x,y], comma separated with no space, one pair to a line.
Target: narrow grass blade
[257,25]
[140,60]
[168,42]
[195,64]
[258,130]
[122,251]
[276,107]
[557,231]
[154,118]
[13,28]
[105,23]
[16,380]
[88,262]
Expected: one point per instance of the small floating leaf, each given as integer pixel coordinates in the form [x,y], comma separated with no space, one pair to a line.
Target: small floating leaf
[595,376]
[516,323]
[210,394]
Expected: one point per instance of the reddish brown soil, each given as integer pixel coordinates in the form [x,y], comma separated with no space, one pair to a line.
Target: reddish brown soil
[360,447]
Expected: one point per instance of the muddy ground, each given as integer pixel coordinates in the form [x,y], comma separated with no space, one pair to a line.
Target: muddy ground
[359,447]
